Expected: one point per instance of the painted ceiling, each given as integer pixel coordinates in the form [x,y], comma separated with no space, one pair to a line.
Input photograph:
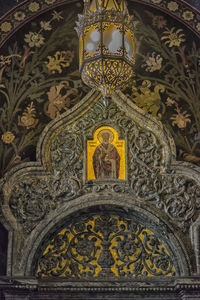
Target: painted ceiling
[9,4]
[39,77]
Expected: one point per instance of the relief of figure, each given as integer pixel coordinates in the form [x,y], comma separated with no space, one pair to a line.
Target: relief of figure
[106,159]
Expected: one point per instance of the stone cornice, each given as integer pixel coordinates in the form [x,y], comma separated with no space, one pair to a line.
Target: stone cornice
[174,284]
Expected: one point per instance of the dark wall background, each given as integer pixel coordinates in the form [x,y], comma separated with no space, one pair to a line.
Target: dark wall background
[3,249]
[6,5]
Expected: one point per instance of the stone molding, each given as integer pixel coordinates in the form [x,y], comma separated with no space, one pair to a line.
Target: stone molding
[28,288]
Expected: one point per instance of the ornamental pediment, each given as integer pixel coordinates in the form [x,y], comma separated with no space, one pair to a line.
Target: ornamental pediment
[97,155]
[97,149]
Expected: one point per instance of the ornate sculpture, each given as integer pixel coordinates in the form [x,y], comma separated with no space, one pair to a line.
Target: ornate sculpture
[149,177]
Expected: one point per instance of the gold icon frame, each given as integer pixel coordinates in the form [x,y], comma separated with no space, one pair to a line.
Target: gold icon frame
[92,144]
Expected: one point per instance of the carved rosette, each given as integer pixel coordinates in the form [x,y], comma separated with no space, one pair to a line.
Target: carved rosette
[104,246]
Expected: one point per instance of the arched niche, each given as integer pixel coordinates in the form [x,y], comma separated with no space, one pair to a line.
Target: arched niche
[113,210]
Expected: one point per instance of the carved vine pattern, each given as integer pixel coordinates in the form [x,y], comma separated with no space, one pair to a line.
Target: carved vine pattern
[101,246]
[31,201]
[177,195]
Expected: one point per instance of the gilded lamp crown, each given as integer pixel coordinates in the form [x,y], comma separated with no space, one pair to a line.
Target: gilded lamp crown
[106,45]
[95,5]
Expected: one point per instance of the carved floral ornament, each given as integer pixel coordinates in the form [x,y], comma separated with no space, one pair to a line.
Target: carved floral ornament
[34,192]
[150,177]
[104,246]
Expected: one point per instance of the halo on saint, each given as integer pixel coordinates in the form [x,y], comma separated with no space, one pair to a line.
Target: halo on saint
[105,133]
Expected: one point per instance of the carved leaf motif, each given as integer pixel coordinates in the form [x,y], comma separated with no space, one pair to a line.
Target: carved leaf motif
[175,194]
[67,163]
[31,201]
[66,152]
[105,245]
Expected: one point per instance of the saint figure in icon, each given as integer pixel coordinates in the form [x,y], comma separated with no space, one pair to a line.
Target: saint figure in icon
[106,159]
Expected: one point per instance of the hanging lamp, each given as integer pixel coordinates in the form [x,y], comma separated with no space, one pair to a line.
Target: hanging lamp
[106,45]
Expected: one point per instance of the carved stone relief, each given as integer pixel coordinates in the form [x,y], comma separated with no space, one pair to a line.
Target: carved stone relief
[148,177]
[31,201]
[104,246]
[153,176]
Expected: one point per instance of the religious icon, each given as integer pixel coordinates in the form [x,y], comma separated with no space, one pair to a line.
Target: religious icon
[106,155]
[106,159]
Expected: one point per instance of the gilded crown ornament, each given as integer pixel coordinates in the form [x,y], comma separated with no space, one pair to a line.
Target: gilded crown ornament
[106,45]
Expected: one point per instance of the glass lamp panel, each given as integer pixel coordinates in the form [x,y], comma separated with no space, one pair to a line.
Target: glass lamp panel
[91,41]
[129,45]
[112,38]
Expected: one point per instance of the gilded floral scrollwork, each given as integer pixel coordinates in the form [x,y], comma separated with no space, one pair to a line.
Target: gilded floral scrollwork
[105,245]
